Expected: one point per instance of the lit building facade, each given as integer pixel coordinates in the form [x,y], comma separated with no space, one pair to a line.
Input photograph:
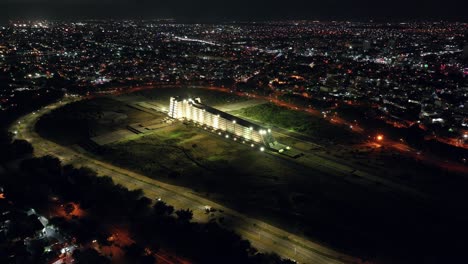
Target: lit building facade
[194,110]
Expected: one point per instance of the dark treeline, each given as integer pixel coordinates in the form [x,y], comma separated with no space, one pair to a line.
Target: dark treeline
[158,225]
[26,102]
[13,150]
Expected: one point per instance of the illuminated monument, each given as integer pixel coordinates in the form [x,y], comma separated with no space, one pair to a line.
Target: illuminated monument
[194,110]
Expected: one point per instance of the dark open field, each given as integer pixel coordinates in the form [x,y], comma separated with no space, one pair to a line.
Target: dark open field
[361,217]
[79,121]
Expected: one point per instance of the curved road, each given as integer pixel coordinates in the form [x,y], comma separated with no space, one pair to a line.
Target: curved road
[264,237]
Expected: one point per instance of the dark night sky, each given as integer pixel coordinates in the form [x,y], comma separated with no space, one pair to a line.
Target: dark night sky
[210,10]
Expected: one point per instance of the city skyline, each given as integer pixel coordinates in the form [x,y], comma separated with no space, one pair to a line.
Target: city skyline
[213,11]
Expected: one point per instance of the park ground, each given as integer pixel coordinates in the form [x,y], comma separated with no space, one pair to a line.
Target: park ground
[345,195]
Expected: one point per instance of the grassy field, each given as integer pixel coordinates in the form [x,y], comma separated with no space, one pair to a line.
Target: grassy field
[190,156]
[82,120]
[297,121]
[339,209]
[280,191]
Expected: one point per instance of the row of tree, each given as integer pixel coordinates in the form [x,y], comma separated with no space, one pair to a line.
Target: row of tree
[154,225]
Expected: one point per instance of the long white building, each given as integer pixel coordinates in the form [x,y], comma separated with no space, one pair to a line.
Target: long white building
[194,110]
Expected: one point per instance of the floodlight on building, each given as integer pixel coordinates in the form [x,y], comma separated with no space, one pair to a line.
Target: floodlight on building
[233,121]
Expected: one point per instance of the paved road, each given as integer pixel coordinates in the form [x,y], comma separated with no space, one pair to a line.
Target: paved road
[263,236]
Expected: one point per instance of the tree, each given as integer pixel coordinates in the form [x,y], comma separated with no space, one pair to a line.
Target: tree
[184,216]
[136,254]
[141,207]
[160,208]
[21,147]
